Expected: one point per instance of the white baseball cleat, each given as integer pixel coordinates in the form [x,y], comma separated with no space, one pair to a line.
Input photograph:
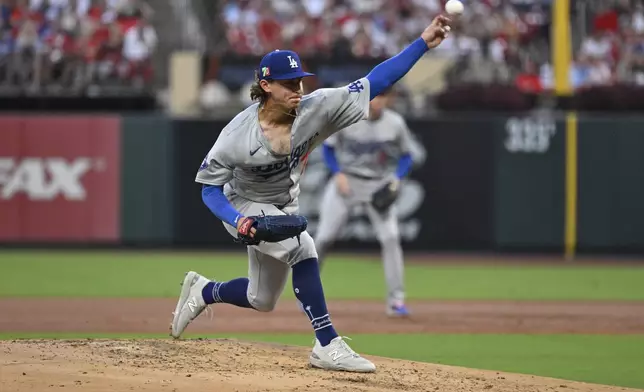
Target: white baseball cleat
[339,356]
[190,304]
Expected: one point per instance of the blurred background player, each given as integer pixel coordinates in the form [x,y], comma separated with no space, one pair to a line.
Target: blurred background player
[362,159]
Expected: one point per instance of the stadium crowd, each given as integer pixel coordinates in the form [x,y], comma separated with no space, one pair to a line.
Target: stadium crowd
[75,43]
[613,52]
[503,41]
[503,32]
[375,28]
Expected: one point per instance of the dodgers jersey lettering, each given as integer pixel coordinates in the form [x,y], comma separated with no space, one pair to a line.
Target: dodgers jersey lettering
[242,160]
[371,148]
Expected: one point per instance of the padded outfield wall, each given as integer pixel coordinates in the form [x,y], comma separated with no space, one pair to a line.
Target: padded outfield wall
[480,183]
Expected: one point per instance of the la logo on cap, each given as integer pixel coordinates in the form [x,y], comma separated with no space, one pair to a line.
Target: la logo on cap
[292,62]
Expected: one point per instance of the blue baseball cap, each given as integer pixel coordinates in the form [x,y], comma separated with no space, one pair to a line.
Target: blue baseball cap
[281,65]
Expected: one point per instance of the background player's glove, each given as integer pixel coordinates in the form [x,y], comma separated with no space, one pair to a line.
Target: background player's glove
[385,196]
[270,228]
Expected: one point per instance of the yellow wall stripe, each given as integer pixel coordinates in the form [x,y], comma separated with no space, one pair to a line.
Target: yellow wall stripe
[570,240]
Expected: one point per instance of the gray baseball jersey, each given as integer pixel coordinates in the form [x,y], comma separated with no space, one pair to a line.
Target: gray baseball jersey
[242,160]
[370,148]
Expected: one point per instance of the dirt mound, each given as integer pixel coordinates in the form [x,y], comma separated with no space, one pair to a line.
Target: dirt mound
[230,365]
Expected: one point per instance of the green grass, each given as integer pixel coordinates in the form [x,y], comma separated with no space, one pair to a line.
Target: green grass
[601,359]
[156,274]
[613,360]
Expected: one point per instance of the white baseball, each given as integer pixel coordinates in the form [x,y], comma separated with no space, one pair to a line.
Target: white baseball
[454,7]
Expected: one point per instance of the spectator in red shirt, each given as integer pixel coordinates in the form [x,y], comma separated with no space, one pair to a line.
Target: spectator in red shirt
[528,81]
[270,30]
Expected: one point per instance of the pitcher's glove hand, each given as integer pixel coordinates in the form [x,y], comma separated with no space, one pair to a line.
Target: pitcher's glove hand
[270,228]
[385,196]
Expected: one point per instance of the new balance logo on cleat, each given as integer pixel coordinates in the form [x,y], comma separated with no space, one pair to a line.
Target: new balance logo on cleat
[335,355]
[192,304]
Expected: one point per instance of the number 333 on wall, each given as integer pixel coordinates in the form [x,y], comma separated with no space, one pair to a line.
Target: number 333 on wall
[526,135]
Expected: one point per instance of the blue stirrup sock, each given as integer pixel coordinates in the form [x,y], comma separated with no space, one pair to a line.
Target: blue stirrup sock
[232,292]
[307,286]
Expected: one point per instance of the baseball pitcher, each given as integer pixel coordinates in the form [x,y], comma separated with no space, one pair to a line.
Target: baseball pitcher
[360,157]
[250,180]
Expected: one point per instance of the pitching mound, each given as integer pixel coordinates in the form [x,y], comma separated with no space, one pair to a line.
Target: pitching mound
[230,365]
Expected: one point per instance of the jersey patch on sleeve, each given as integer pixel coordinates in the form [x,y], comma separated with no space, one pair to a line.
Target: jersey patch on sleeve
[204,164]
[356,87]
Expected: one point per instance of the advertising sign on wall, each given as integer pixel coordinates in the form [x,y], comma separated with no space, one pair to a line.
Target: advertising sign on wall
[59,179]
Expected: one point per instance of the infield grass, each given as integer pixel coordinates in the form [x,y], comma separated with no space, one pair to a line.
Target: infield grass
[612,360]
[615,360]
[156,274]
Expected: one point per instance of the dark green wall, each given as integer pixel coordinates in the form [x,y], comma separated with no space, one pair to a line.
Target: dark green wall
[611,183]
[147,177]
[492,183]
[529,182]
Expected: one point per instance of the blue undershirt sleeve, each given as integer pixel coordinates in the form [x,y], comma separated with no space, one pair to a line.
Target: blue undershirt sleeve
[213,196]
[385,74]
[404,164]
[328,152]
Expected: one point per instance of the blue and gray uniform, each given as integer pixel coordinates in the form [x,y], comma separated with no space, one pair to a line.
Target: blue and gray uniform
[243,176]
[255,180]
